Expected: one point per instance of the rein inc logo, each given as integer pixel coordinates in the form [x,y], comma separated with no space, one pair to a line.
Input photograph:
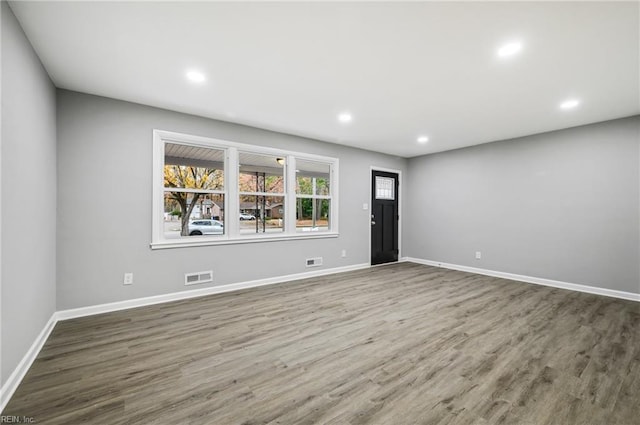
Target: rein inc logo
[10,419]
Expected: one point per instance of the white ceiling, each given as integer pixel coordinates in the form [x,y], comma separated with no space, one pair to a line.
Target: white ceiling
[401,69]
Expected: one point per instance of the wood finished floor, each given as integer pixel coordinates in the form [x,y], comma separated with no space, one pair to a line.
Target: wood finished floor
[399,344]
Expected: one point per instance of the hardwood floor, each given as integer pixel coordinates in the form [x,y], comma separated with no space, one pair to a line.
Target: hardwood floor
[399,344]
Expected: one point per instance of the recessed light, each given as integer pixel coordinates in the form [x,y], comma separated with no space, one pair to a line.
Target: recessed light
[423,139]
[569,104]
[509,49]
[345,117]
[195,76]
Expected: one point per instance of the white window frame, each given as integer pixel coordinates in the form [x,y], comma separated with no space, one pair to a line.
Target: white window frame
[231,193]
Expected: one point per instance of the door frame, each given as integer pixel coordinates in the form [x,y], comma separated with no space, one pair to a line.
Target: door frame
[400,195]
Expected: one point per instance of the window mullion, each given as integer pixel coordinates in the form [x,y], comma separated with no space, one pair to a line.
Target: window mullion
[232,207]
[313,196]
[189,190]
[158,193]
[333,193]
[273,194]
[290,198]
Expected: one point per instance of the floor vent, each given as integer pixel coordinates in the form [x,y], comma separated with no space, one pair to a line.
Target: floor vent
[314,262]
[198,278]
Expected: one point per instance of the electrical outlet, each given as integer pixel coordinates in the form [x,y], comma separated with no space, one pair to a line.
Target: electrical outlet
[128,279]
[365,206]
[478,255]
[344,253]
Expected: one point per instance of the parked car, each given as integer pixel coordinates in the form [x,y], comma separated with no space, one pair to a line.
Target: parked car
[247,216]
[206,227]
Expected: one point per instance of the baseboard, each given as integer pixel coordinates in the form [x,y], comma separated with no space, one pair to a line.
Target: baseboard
[530,279]
[10,386]
[182,295]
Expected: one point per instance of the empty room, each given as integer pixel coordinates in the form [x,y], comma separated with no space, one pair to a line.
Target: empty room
[320,212]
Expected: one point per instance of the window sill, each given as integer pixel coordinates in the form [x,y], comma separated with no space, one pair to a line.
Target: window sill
[185,243]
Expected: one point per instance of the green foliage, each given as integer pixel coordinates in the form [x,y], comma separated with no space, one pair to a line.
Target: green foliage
[305,208]
[305,186]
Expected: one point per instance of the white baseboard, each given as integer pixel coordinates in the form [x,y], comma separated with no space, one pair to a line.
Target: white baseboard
[182,295]
[10,386]
[529,279]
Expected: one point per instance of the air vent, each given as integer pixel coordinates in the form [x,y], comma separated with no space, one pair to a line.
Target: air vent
[314,262]
[198,278]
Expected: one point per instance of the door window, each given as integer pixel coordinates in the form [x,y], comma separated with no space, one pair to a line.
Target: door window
[385,188]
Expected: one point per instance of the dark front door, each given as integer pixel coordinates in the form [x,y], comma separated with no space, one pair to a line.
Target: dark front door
[384,217]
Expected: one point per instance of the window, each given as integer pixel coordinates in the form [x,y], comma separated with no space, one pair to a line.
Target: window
[313,196]
[193,189]
[262,193]
[385,188]
[210,191]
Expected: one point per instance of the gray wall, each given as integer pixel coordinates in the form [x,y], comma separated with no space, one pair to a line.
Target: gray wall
[28,195]
[104,205]
[562,205]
